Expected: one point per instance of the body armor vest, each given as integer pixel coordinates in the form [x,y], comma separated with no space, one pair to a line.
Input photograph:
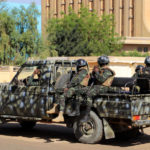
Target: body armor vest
[85,81]
[109,80]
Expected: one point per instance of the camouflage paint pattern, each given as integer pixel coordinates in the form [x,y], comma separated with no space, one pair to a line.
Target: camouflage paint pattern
[122,105]
[34,101]
[31,100]
[24,101]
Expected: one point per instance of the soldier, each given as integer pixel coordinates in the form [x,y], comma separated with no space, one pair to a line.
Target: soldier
[103,77]
[146,70]
[79,80]
[31,79]
[138,70]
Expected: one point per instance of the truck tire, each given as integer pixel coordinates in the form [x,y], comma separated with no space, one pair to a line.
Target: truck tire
[90,132]
[27,124]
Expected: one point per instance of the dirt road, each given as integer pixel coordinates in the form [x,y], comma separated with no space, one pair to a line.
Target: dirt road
[58,137]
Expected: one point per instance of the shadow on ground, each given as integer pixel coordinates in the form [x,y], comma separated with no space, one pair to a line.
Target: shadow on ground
[51,133]
[142,138]
[40,131]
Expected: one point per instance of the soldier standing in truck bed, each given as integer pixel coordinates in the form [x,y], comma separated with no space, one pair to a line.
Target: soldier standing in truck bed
[146,70]
[102,78]
[138,70]
[78,81]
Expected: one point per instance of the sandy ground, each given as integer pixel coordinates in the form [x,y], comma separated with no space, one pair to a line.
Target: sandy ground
[58,137]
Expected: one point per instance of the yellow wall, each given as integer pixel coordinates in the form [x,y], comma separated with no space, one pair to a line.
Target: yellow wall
[123,66]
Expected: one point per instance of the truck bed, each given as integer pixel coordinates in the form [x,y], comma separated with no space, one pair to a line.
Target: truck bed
[135,108]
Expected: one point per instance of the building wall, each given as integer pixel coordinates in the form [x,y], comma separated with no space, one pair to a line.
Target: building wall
[131,16]
[123,66]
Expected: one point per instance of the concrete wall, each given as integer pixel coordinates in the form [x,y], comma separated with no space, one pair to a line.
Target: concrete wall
[7,73]
[131,17]
[123,66]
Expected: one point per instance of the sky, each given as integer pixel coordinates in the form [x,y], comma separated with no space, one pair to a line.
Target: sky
[25,3]
[38,2]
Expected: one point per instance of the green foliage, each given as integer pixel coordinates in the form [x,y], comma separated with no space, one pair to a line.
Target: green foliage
[45,52]
[83,35]
[26,29]
[131,53]
[6,29]
[19,37]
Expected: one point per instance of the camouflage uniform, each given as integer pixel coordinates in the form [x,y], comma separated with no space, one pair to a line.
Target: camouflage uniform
[102,84]
[135,75]
[145,72]
[74,87]
[30,81]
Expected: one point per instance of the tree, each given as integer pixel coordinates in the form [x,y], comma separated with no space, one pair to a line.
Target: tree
[7,26]
[83,35]
[19,36]
[26,29]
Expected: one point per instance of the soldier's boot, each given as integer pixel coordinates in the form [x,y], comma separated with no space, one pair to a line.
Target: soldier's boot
[86,115]
[53,110]
[76,111]
[59,118]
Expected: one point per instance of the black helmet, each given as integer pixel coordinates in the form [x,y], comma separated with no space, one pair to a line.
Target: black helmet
[81,63]
[147,60]
[103,60]
[138,67]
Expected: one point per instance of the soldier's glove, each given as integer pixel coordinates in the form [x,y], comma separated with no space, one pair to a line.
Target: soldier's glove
[96,69]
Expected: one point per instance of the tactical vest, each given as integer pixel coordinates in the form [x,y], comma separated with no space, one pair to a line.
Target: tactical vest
[85,81]
[108,81]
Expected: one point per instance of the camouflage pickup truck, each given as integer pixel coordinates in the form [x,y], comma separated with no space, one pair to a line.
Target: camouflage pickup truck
[27,102]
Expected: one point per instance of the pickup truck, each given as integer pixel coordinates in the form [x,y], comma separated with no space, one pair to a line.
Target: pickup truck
[111,114]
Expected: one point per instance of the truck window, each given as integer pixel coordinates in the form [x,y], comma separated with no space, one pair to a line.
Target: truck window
[26,72]
[63,70]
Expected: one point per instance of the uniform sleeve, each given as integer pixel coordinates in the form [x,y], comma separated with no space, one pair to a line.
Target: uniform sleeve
[105,75]
[30,81]
[77,79]
[135,75]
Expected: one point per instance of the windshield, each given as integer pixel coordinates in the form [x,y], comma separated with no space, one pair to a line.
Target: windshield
[32,76]
[26,72]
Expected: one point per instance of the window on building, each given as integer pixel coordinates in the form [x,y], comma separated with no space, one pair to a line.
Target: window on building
[145,49]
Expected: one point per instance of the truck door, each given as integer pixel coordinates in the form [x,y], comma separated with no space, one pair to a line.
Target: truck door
[22,98]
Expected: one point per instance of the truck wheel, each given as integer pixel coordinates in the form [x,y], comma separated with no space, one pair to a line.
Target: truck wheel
[27,124]
[90,132]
